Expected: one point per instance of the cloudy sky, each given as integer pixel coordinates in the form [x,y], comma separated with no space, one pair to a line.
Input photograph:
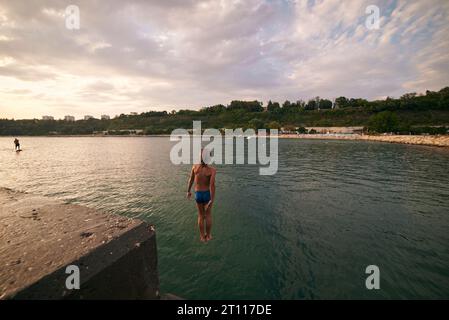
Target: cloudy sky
[172,54]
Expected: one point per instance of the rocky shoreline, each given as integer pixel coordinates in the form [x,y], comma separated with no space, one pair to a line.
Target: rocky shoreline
[437,141]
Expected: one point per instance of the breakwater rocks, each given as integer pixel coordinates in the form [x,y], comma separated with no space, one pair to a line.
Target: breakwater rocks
[437,141]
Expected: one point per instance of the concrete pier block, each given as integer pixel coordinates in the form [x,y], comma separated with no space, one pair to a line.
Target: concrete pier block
[40,237]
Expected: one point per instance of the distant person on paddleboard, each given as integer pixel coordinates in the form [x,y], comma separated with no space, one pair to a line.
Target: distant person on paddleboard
[17,144]
[204,177]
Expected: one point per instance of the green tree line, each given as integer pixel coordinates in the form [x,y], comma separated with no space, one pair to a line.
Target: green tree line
[411,113]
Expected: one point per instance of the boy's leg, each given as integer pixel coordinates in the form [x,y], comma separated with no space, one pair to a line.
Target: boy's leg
[209,223]
[201,213]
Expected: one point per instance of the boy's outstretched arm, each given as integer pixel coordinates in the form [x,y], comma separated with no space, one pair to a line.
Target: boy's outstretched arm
[190,183]
[211,189]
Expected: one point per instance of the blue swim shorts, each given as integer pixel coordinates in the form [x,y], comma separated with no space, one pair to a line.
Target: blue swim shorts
[202,196]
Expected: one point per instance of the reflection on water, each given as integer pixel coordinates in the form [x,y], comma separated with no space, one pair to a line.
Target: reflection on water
[333,208]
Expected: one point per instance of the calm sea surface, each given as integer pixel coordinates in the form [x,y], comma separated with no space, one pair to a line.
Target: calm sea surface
[333,208]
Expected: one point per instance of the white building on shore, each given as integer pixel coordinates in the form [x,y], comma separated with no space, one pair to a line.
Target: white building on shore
[336,130]
[69,118]
[48,118]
